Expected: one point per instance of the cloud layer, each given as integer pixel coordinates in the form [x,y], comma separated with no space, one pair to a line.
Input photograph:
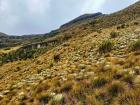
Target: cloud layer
[41,16]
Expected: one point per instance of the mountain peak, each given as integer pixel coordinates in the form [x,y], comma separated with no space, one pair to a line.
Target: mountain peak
[83,17]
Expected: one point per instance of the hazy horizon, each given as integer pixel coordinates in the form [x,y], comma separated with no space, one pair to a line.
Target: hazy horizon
[20,17]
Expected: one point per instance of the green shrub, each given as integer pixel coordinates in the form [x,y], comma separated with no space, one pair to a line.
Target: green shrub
[18,55]
[106,46]
[114,34]
[135,46]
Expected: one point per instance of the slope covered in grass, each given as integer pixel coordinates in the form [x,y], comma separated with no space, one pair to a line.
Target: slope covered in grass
[99,67]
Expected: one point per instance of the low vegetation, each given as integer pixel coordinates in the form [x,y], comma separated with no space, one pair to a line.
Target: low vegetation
[114,34]
[106,46]
[82,65]
[135,46]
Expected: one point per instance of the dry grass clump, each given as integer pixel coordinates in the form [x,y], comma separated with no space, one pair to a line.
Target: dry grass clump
[106,46]
[42,87]
[118,75]
[135,46]
[98,82]
[101,94]
[115,88]
[43,98]
[130,98]
[129,79]
[66,87]
[79,92]
[92,100]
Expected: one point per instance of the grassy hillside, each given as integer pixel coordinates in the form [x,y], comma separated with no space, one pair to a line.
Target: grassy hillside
[95,62]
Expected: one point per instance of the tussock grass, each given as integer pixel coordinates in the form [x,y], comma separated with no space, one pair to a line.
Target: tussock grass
[114,34]
[135,46]
[115,88]
[106,46]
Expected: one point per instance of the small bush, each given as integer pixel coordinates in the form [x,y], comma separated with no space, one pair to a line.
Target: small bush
[121,26]
[79,92]
[42,87]
[67,37]
[92,100]
[118,27]
[93,23]
[114,34]
[106,46]
[99,31]
[99,82]
[135,46]
[130,98]
[56,57]
[136,23]
[115,88]
[66,87]
[118,75]
[129,79]
[43,98]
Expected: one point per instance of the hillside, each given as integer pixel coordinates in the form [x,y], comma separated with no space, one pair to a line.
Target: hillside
[92,62]
[83,18]
[7,41]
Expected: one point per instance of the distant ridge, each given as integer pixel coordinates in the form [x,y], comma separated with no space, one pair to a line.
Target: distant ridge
[83,17]
[3,35]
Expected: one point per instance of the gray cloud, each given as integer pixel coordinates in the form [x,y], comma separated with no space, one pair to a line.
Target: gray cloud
[41,16]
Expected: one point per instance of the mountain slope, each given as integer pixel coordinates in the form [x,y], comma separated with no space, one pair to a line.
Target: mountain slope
[128,14]
[82,25]
[90,68]
[83,18]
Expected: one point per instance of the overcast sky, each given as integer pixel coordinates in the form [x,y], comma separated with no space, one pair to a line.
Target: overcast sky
[40,16]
